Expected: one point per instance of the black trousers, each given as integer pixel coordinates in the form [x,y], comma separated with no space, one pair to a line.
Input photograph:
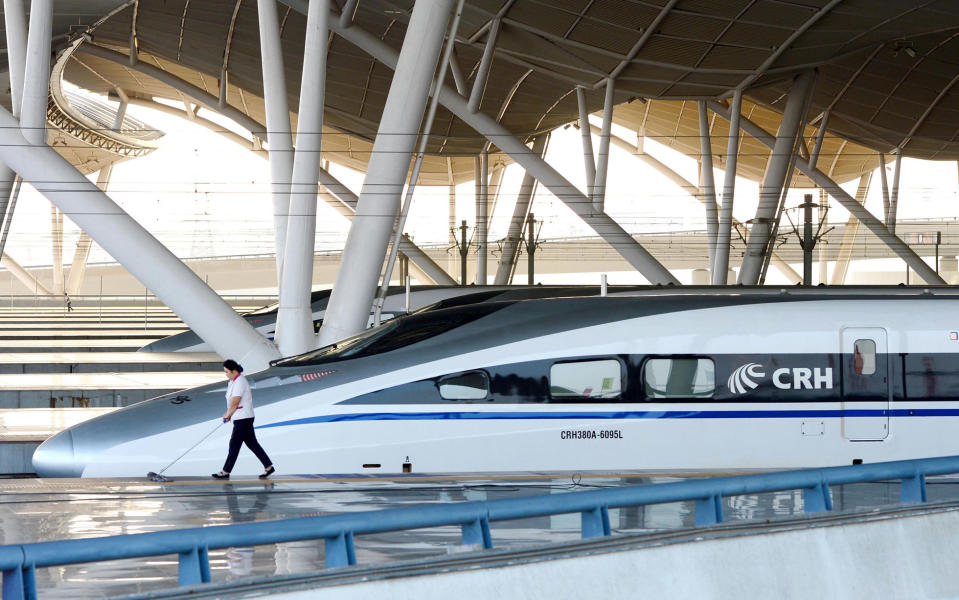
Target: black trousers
[243,434]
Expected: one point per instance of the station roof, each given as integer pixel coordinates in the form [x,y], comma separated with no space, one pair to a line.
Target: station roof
[886,70]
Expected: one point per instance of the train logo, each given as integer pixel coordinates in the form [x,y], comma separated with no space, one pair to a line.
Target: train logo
[747,376]
[744,378]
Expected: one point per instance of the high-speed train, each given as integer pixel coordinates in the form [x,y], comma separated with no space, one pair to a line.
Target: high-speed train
[667,380]
[396,303]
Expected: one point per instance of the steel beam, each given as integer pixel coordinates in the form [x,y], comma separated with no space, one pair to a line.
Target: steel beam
[720,268]
[139,252]
[602,224]
[874,225]
[279,131]
[775,177]
[349,305]
[520,210]
[709,185]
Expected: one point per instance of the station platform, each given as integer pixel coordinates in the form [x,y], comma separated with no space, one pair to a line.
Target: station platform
[53,509]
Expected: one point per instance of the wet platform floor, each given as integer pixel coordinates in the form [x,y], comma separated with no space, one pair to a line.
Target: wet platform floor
[33,510]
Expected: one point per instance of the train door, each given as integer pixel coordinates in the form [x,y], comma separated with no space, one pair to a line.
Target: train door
[865,384]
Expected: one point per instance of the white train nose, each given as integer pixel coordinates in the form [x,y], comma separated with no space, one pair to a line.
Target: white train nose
[56,457]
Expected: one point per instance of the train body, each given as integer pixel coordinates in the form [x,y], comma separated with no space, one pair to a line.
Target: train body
[659,382]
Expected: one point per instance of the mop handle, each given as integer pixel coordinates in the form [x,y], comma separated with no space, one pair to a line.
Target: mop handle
[203,439]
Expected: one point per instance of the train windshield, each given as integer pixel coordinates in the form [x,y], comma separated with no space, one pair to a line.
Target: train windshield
[395,334]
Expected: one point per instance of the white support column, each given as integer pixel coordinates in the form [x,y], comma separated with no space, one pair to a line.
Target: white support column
[894,195]
[348,309]
[482,214]
[824,224]
[482,73]
[885,187]
[709,186]
[874,225]
[503,139]
[849,235]
[520,210]
[279,136]
[56,234]
[81,254]
[294,326]
[15,23]
[451,209]
[585,129]
[78,266]
[598,193]
[36,83]
[139,252]
[775,177]
[820,136]
[23,276]
[720,270]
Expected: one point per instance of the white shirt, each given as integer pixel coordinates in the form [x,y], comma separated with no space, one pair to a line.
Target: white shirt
[240,387]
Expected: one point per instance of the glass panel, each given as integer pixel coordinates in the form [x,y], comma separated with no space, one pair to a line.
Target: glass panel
[594,379]
[468,386]
[864,357]
[679,377]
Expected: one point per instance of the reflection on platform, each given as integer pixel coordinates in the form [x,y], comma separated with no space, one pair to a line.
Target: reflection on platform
[38,510]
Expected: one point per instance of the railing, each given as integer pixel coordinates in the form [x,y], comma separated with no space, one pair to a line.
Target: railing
[19,562]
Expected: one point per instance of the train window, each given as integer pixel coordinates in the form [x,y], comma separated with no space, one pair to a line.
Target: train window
[679,377]
[593,379]
[465,386]
[864,357]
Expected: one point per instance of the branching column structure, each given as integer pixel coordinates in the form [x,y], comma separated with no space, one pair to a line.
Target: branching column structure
[502,138]
[874,225]
[94,212]
[348,310]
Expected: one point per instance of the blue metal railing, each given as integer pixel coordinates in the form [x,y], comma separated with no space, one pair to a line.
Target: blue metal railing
[18,562]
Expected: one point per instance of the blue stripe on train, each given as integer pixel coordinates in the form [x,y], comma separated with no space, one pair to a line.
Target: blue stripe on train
[678,414]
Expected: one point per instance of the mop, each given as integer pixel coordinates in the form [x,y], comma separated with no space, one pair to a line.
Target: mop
[160,477]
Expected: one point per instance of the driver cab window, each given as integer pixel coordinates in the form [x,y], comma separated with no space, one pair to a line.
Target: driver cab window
[465,386]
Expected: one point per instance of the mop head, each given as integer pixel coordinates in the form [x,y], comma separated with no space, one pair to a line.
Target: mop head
[158,478]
